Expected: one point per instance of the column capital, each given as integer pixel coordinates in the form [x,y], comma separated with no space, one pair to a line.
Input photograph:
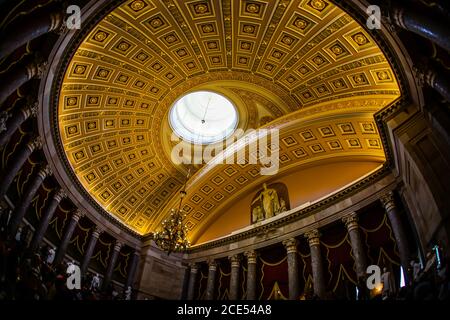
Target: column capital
[57,21]
[34,144]
[313,237]
[212,265]
[251,256]
[290,245]
[351,221]
[235,260]
[4,116]
[77,214]
[30,109]
[36,69]
[97,232]
[59,195]
[396,14]
[41,68]
[194,267]
[45,171]
[118,245]
[388,201]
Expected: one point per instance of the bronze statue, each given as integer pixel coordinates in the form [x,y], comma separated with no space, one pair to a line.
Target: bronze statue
[269,201]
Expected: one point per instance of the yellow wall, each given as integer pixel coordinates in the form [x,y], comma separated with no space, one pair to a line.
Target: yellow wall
[305,185]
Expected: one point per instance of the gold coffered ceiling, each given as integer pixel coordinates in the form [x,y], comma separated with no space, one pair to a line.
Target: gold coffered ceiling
[279,58]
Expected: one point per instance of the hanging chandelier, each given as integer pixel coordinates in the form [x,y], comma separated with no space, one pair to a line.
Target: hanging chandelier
[172,236]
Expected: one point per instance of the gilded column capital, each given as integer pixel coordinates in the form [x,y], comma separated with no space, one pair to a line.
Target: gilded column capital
[235,261]
[313,237]
[351,221]
[251,256]
[290,245]
[388,201]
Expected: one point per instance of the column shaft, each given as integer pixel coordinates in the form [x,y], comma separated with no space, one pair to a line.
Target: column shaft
[399,232]
[90,250]
[45,220]
[192,282]
[185,288]
[14,78]
[234,278]
[292,259]
[351,222]
[132,269]
[210,287]
[27,197]
[316,263]
[16,163]
[251,275]
[61,251]
[19,33]
[111,265]
[15,121]
[424,22]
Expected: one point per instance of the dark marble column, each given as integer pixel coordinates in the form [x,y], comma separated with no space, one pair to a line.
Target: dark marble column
[90,249]
[234,278]
[422,21]
[132,269]
[45,219]
[111,264]
[316,263]
[397,227]
[14,165]
[18,75]
[251,274]
[351,222]
[292,259]
[184,290]
[28,195]
[19,33]
[436,79]
[14,121]
[192,281]
[68,232]
[210,287]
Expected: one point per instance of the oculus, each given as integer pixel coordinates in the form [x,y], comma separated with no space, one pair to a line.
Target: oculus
[203,117]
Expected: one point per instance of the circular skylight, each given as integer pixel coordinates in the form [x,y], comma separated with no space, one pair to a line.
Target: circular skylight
[203,117]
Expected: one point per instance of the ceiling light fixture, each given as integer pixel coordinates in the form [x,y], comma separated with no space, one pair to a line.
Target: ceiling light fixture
[172,236]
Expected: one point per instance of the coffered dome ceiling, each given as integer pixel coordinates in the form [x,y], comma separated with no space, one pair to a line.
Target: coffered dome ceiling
[303,66]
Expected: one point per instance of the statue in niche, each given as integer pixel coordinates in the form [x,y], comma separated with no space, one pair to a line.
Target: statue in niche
[258,214]
[269,202]
[282,206]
